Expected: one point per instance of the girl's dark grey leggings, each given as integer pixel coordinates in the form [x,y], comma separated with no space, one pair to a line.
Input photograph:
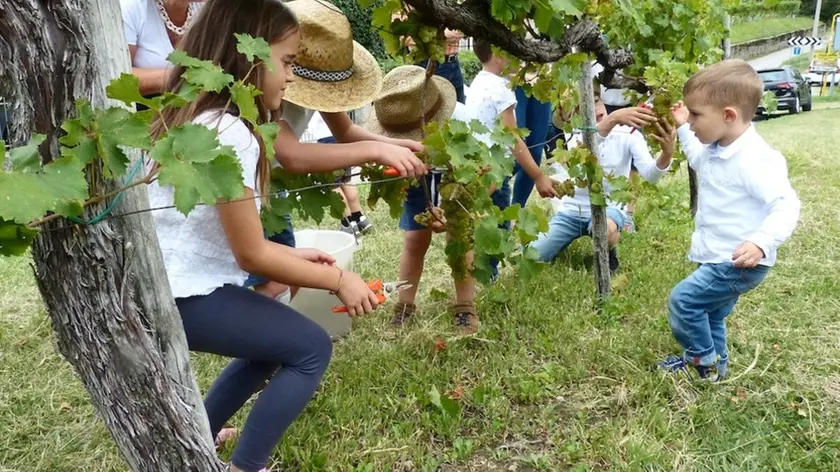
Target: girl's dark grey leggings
[268,340]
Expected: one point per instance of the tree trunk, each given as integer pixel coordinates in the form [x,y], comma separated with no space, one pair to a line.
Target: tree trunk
[104,285]
[599,213]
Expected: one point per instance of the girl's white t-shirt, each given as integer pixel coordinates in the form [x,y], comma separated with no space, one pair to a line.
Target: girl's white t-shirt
[145,29]
[489,96]
[196,252]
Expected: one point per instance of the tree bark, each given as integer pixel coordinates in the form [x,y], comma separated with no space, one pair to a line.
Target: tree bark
[473,18]
[104,285]
[600,230]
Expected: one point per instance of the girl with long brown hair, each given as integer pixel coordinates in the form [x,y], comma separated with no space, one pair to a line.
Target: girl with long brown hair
[209,253]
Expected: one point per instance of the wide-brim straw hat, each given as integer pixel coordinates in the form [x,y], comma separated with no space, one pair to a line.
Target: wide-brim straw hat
[397,111]
[333,73]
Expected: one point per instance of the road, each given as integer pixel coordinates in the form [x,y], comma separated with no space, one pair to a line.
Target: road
[774,60]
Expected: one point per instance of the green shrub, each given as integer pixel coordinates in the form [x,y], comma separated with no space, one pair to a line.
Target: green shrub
[360,20]
[470,65]
[389,63]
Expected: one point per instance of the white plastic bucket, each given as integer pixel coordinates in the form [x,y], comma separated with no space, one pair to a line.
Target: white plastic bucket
[318,304]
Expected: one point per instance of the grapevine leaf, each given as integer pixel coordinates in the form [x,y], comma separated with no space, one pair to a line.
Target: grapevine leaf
[208,180]
[243,96]
[197,143]
[529,265]
[120,127]
[482,271]
[490,239]
[268,132]
[27,158]
[253,48]
[274,216]
[597,199]
[570,7]
[313,202]
[203,74]
[127,90]
[15,238]
[85,151]
[445,404]
[25,197]
[181,58]
[530,224]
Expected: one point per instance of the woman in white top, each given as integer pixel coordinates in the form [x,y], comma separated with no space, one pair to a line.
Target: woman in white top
[209,253]
[152,30]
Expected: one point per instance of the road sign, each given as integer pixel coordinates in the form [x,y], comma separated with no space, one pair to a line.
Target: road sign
[797,51]
[825,63]
[803,41]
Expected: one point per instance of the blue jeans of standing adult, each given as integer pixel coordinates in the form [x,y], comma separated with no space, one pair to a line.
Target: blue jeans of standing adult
[267,340]
[450,70]
[699,304]
[536,116]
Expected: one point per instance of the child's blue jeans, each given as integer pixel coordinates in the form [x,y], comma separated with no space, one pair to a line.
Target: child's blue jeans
[699,304]
[565,227]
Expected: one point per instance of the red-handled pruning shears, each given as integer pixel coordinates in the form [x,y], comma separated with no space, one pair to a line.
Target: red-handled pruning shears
[382,291]
[647,104]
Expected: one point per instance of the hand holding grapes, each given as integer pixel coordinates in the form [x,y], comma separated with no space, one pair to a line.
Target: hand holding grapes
[666,136]
[680,113]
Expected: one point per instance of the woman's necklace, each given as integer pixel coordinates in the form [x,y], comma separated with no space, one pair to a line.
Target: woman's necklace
[178,30]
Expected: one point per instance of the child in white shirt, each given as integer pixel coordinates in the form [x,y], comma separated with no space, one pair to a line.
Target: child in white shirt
[746,209]
[618,150]
[491,99]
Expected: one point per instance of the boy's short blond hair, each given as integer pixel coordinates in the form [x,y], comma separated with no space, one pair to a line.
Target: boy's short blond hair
[731,83]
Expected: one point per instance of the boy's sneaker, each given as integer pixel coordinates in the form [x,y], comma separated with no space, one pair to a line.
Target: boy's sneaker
[466,319]
[364,224]
[613,261]
[674,364]
[629,223]
[349,228]
[403,313]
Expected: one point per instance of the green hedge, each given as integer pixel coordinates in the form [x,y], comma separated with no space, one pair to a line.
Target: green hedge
[750,10]
[360,21]
[470,65]
[828,10]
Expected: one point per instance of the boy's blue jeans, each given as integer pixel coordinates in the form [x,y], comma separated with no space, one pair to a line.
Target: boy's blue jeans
[699,304]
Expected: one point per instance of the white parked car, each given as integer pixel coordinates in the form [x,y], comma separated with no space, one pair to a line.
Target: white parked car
[816,79]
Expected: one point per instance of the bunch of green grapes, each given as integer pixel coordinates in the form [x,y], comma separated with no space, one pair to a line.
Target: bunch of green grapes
[458,205]
[599,8]
[431,42]
[565,188]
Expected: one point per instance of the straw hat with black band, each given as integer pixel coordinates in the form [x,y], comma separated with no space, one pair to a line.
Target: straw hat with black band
[397,112]
[333,73]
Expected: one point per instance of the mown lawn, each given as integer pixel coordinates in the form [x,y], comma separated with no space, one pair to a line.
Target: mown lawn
[768,27]
[547,384]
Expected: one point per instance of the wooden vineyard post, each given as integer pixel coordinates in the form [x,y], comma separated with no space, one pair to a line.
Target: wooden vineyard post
[599,214]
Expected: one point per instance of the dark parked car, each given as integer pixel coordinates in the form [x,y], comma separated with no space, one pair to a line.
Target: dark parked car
[792,91]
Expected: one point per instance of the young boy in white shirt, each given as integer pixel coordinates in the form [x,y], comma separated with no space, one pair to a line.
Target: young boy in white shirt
[618,149]
[491,99]
[746,210]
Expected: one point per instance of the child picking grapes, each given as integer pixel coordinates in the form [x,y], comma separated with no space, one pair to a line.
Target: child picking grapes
[490,100]
[747,209]
[618,148]
[396,115]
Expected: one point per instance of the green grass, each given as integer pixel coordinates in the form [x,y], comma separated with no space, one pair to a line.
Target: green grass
[547,384]
[800,62]
[828,98]
[767,27]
